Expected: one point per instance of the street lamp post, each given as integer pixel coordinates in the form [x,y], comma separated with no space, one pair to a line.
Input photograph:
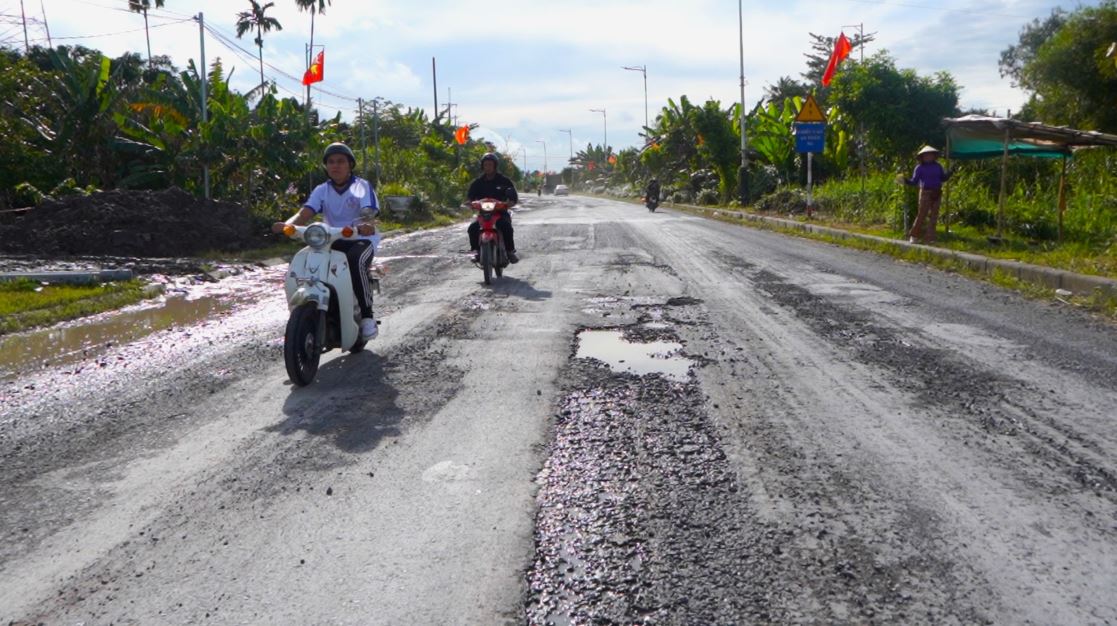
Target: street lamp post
[544,184]
[605,122]
[743,174]
[643,69]
[570,134]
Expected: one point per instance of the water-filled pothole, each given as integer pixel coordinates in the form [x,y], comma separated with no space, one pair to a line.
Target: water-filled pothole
[69,344]
[89,337]
[654,357]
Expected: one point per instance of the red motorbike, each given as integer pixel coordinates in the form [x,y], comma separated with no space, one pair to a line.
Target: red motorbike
[493,257]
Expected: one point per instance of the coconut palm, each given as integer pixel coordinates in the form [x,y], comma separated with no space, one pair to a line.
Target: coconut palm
[141,6]
[255,18]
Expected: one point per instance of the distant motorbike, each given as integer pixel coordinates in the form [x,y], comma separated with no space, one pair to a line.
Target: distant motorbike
[651,202]
[493,256]
[324,310]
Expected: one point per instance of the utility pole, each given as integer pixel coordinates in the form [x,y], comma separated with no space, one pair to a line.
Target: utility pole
[743,174]
[23,16]
[434,76]
[364,144]
[46,25]
[376,138]
[451,106]
[205,108]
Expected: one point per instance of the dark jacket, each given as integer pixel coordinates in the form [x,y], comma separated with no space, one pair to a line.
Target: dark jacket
[499,188]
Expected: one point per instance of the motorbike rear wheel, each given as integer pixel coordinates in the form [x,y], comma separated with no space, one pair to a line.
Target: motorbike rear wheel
[302,348]
[487,262]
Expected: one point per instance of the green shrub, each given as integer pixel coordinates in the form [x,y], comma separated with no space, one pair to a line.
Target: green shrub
[27,194]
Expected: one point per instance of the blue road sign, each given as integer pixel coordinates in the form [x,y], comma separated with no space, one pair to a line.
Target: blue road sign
[810,137]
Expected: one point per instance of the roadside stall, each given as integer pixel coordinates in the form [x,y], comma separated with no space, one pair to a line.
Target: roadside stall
[981,137]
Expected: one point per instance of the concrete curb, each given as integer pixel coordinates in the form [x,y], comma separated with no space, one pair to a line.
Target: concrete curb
[1077,284]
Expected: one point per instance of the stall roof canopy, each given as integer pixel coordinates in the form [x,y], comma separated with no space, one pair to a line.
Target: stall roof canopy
[980,137]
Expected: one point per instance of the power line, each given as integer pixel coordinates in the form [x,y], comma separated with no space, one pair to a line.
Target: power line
[113,34]
[230,43]
[939,8]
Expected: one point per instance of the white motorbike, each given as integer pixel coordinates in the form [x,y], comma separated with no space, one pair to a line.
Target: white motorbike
[324,309]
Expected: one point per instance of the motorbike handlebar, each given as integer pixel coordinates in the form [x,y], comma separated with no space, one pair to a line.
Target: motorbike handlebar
[344,232]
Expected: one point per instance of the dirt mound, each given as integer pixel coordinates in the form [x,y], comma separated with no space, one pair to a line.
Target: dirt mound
[164,223]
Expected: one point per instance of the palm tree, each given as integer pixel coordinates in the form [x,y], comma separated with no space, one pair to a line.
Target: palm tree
[255,18]
[315,7]
[141,6]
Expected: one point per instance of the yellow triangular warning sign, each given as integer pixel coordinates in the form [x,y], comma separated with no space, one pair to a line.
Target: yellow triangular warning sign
[810,111]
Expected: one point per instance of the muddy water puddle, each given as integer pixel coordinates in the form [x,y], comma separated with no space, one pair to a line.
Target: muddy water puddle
[89,337]
[622,355]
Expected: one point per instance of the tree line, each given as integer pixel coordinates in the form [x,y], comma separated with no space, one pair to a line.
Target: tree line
[72,120]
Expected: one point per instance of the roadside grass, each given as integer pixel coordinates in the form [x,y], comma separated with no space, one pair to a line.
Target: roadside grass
[1097,302]
[1097,259]
[25,304]
[427,222]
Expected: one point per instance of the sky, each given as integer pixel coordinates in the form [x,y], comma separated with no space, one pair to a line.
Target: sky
[526,70]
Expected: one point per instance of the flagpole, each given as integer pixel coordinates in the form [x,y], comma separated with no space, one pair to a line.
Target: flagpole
[860,123]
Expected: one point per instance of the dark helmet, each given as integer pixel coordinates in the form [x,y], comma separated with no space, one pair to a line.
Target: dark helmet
[489,156]
[339,148]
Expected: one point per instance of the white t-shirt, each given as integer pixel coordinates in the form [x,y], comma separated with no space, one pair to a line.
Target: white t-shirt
[345,208]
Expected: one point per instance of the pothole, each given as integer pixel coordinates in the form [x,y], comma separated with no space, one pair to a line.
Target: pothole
[622,355]
[89,337]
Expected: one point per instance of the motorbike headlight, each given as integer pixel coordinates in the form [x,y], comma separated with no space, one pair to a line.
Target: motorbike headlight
[316,236]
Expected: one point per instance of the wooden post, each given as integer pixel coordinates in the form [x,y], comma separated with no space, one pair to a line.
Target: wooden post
[1004,174]
[946,191]
[1062,197]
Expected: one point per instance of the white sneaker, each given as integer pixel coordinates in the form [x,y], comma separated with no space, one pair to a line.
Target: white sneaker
[369,329]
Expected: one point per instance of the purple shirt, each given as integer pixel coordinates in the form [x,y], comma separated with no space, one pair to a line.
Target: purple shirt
[928,176]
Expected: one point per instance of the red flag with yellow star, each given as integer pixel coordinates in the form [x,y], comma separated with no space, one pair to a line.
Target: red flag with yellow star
[317,70]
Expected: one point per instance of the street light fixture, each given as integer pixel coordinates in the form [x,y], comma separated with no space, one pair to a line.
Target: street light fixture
[544,161]
[570,134]
[605,122]
[643,69]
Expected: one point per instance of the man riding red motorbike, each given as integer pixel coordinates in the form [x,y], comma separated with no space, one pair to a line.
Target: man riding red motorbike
[491,184]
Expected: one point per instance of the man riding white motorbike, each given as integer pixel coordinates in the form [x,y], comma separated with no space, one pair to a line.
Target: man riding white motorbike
[346,200]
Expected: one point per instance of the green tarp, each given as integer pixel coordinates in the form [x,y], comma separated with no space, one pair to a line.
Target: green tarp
[980,137]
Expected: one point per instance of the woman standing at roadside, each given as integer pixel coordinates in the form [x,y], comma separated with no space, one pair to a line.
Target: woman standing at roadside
[930,176]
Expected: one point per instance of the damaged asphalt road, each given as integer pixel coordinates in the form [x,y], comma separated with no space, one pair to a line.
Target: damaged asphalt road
[652,418]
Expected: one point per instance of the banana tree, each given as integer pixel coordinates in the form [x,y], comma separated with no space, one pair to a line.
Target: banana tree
[75,122]
[770,133]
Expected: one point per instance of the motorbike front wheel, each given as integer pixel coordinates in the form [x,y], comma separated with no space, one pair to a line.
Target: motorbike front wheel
[302,347]
[487,261]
